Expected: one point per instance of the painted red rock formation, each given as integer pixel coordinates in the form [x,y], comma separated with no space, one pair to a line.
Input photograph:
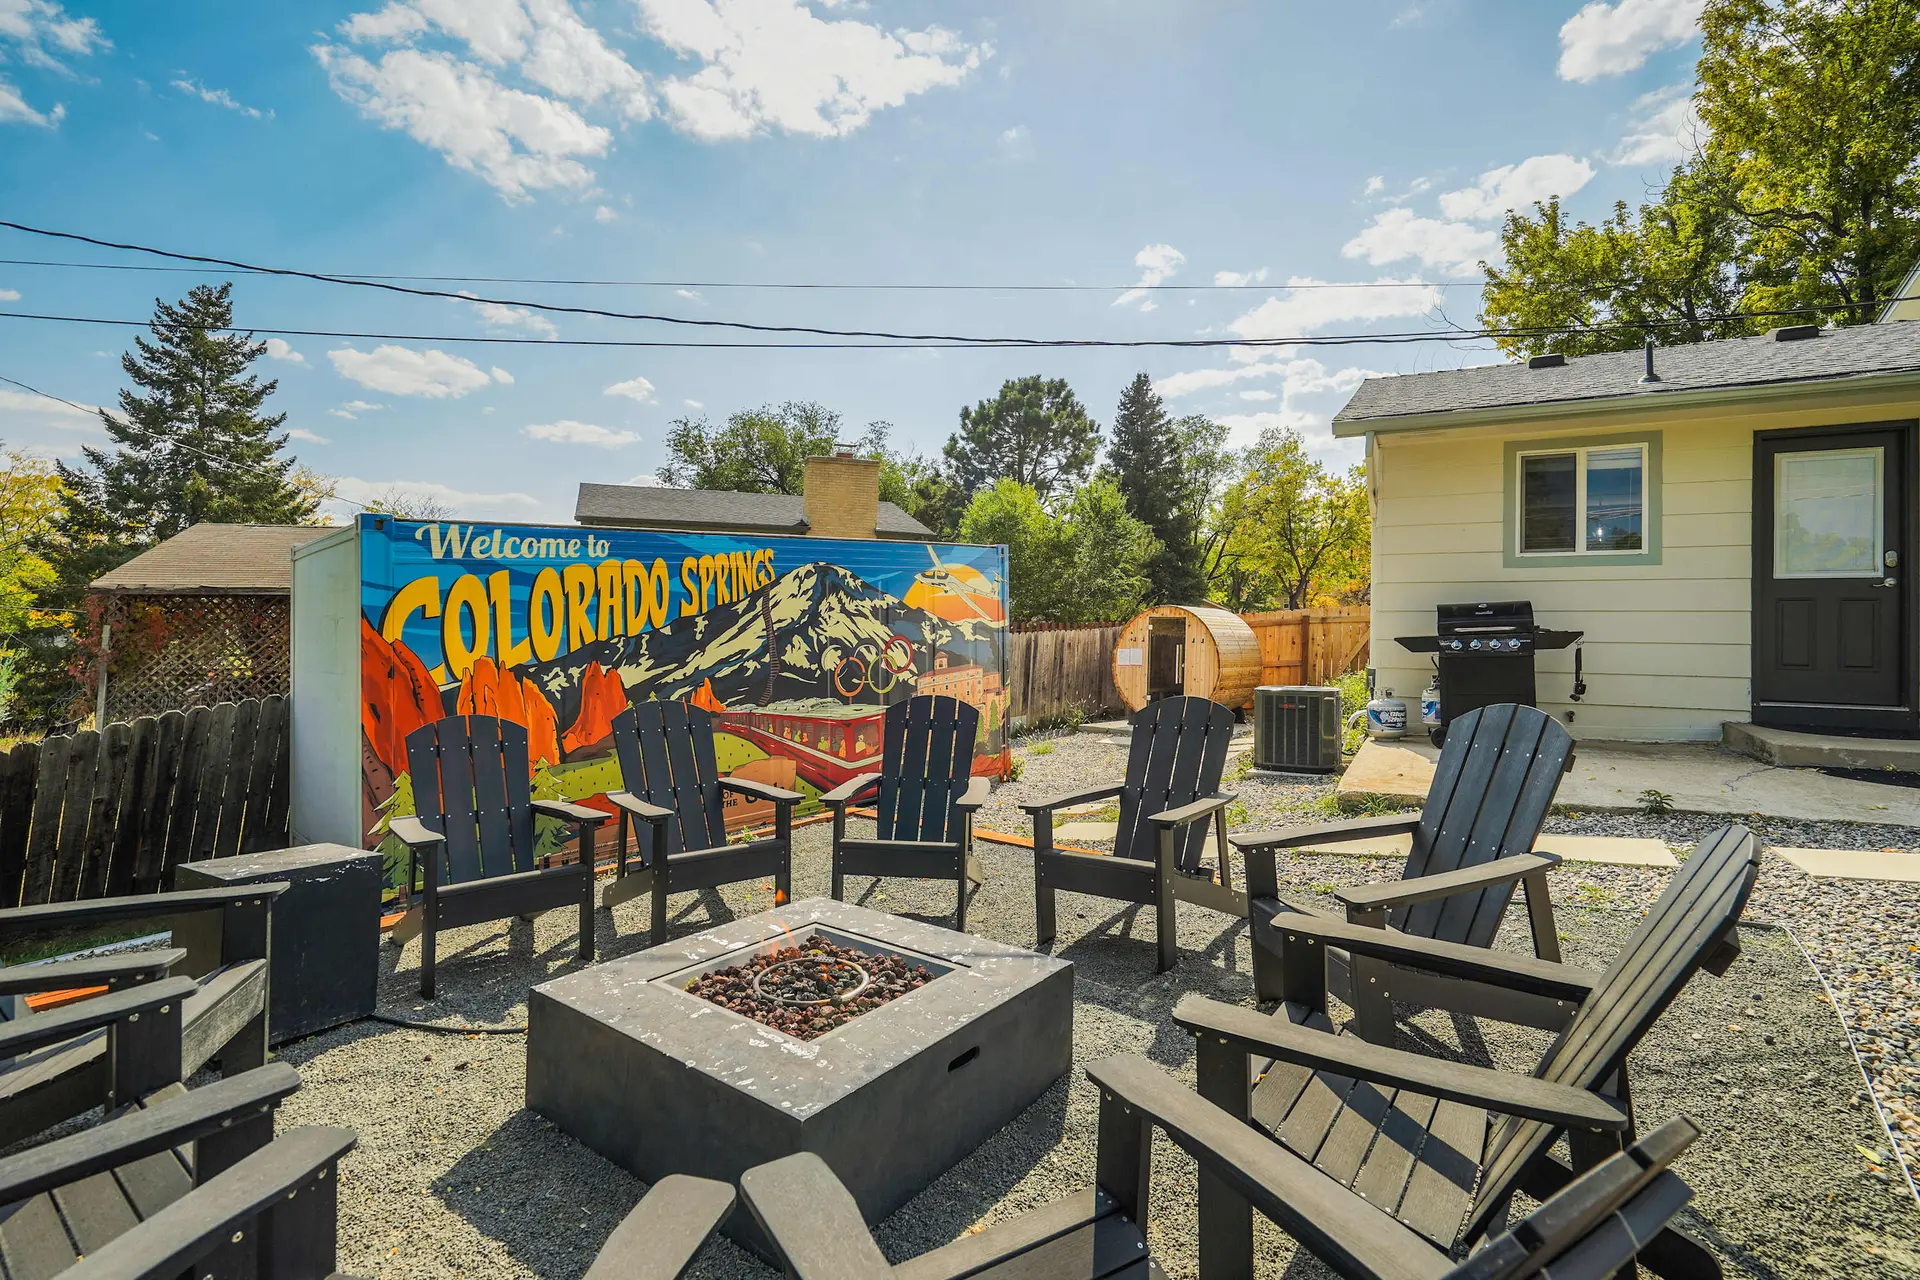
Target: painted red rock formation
[705,697]
[490,691]
[602,697]
[397,696]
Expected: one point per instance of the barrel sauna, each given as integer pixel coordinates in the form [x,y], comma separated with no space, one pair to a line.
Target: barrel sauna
[1193,649]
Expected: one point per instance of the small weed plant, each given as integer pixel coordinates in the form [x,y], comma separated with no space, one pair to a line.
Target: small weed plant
[1655,804]
[1040,749]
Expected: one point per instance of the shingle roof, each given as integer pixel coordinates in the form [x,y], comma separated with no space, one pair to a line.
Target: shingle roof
[718,510]
[1862,351]
[216,559]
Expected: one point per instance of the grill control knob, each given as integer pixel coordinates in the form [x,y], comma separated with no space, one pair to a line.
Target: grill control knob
[1456,644]
[1473,644]
[1513,644]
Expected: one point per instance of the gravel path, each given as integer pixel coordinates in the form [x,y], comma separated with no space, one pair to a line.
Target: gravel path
[453,1177]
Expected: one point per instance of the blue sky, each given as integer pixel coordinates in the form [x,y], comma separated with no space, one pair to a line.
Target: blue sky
[1087,142]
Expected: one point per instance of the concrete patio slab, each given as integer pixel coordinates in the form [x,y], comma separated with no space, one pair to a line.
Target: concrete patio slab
[1614,851]
[1611,776]
[1086,831]
[1822,750]
[1855,864]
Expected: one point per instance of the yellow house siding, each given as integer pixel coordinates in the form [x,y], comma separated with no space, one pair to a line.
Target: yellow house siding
[1667,653]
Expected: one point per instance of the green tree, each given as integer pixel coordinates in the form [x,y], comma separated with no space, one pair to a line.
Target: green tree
[1802,195]
[194,444]
[1085,564]
[1148,456]
[1009,513]
[1035,432]
[760,450]
[1289,533]
[30,492]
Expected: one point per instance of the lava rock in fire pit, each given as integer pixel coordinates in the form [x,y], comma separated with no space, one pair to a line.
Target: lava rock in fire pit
[808,991]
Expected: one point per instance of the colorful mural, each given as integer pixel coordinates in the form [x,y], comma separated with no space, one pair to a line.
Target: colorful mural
[798,645]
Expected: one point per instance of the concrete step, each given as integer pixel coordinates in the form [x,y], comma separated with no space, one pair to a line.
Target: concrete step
[1821,750]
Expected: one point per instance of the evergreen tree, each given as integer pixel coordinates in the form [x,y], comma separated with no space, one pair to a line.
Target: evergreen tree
[1166,472]
[194,444]
[1035,431]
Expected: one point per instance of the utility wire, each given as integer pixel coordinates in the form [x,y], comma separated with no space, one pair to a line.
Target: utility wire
[1265,287]
[228,463]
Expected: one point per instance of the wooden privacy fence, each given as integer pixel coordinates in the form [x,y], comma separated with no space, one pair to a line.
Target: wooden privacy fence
[1051,673]
[95,814]
[1310,646]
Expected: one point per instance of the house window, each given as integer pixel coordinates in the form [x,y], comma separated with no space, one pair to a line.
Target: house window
[1583,501]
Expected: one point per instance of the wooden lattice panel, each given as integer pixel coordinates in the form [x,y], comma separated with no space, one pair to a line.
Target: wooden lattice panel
[173,652]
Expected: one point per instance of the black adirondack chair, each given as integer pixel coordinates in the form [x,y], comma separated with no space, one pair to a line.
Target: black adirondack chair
[70,1060]
[1590,1230]
[1172,787]
[924,799]
[473,835]
[197,1184]
[1441,1146]
[1472,843]
[673,785]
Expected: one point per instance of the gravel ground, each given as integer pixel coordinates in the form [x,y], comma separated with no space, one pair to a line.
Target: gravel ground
[453,1177]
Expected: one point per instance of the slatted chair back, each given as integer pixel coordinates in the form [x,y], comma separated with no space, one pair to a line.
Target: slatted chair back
[1179,751]
[471,784]
[666,758]
[1698,911]
[926,764]
[1491,790]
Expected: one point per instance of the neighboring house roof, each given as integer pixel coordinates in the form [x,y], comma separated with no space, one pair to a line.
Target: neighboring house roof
[1905,304]
[215,559]
[718,510]
[1701,370]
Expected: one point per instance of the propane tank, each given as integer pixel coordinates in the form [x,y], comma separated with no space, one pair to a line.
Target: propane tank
[1430,706]
[1386,716]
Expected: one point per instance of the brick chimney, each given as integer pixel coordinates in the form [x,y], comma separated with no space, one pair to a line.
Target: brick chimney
[842,495]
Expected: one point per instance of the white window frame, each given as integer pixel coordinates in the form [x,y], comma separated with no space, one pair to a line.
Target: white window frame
[1579,453]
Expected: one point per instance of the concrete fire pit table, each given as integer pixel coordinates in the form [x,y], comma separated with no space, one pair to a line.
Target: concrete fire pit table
[660,1081]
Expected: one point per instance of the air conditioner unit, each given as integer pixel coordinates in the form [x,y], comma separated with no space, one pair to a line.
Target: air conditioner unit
[1296,728]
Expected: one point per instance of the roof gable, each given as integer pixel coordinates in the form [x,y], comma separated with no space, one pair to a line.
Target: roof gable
[215,559]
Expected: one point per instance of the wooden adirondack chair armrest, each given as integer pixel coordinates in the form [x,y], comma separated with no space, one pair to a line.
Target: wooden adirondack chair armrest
[812,1220]
[1331,1221]
[850,790]
[131,968]
[1087,796]
[1406,893]
[977,793]
[414,833]
[760,790]
[51,916]
[1392,824]
[567,811]
[662,1235]
[23,1035]
[1501,1091]
[1449,959]
[186,1231]
[135,1135]
[641,809]
[1204,807]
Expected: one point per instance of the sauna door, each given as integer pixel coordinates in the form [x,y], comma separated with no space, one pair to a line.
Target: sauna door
[1166,658]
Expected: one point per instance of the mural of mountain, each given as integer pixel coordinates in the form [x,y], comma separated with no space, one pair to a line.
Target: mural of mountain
[820,615]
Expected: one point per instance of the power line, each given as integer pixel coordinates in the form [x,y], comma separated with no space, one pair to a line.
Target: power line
[229,463]
[850,286]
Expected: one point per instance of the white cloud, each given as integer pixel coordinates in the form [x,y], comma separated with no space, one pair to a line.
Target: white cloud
[14,109]
[1375,185]
[1299,376]
[501,375]
[1666,128]
[567,431]
[602,213]
[498,315]
[775,65]
[462,502]
[646,480]
[278,349]
[218,97]
[9,295]
[26,402]
[1015,135]
[1258,395]
[1398,234]
[362,406]
[1240,277]
[515,140]
[41,32]
[1611,39]
[301,433]
[1157,263]
[1513,186]
[342,413]
[691,295]
[694,404]
[1304,311]
[402,371]
[635,389]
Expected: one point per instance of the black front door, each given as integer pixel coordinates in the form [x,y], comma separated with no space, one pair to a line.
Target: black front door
[1831,642]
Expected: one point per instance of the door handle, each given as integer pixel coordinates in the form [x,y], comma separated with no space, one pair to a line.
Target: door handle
[1888,582]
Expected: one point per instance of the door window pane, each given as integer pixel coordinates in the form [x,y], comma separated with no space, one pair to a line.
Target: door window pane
[1614,499]
[1548,493]
[1827,514]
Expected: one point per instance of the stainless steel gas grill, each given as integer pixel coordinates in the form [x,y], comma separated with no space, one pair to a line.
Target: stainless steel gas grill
[1485,654]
